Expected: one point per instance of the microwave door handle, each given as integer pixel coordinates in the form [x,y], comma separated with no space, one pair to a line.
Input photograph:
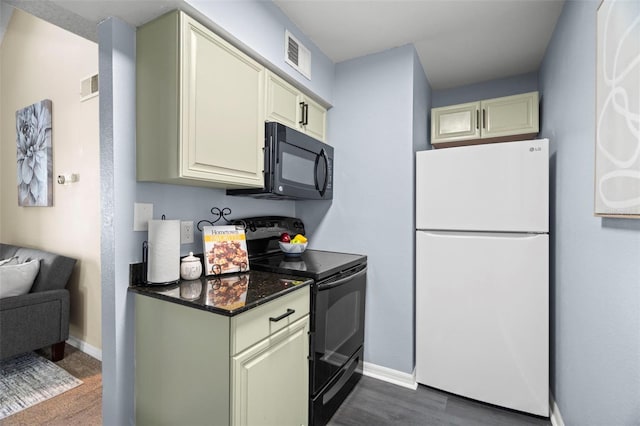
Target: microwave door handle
[269,163]
[322,190]
[326,172]
[315,172]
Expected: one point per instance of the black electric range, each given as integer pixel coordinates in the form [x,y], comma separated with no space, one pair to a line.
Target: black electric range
[337,308]
[315,264]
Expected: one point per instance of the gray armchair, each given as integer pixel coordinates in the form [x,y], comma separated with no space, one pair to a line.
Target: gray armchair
[41,317]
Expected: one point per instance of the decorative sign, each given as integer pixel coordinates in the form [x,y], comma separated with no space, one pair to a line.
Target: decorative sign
[34,153]
[225,249]
[617,168]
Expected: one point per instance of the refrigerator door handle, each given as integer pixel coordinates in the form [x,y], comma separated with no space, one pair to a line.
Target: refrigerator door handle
[476,234]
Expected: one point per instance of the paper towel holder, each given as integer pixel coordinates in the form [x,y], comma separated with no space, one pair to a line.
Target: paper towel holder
[145,266]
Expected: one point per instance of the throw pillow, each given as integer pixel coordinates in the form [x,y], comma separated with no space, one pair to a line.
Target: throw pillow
[16,280]
[10,261]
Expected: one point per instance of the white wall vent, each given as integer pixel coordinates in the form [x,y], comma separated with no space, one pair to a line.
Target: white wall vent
[89,87]
[296,55]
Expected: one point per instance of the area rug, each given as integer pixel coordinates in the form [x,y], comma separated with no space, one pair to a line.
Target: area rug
[26,380]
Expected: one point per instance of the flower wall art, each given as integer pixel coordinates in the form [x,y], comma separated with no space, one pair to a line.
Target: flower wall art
[617,169]
[34,153]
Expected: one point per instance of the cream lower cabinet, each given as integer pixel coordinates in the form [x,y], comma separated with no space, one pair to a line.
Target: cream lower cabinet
[267,379]
[194,367]
[492,120]
[289,106]
[200,107]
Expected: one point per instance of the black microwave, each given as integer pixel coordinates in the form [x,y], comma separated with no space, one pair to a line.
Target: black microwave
[296,167]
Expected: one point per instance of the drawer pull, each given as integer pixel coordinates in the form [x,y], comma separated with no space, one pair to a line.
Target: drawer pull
[286,314]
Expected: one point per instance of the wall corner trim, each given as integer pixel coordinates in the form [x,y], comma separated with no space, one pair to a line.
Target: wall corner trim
[555,417]
[406,380]
[85,347]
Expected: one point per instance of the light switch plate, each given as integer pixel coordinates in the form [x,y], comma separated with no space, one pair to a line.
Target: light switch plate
[142,214]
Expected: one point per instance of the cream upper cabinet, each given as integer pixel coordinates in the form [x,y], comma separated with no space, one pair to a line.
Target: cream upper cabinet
[283,101]
[507,118]
[510,115]
[289,106]
[457,122]
[200,107]
[315,121]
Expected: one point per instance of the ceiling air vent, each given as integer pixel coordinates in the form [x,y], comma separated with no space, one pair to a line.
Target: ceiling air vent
[296,55]
[89,87]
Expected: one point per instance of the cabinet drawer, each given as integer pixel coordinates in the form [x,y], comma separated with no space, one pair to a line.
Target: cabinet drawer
[254,325]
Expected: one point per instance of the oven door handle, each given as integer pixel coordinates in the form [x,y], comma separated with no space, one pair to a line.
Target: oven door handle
[341,281]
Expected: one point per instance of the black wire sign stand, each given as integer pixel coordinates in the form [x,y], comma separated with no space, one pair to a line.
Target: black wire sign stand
[219,214]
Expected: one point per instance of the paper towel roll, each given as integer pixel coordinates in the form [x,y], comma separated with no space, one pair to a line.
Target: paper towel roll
[164,251]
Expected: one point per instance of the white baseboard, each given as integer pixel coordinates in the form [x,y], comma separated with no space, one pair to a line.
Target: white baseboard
[555,417]
[85,347]
[389,375]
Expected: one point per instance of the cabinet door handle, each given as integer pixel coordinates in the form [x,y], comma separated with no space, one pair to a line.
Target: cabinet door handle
[301,114]
[484,119]
[286,314]
[306,114]
[477,119]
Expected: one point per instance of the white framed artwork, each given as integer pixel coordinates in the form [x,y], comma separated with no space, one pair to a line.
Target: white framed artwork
[34,155]
[617,157]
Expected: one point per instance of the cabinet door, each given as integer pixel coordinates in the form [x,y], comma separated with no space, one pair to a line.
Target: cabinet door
[270,380]
[283,102]
[510,115]
[315,119]
[287,105]
[222,112]
[455,123]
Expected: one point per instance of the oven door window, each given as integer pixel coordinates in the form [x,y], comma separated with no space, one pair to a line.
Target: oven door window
[339,326]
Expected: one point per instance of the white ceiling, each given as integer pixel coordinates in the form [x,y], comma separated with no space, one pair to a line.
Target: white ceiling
[459,42]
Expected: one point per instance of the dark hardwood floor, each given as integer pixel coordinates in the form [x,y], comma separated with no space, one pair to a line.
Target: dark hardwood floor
[374,402]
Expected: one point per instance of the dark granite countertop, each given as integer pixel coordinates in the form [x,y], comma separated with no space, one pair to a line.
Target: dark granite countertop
[226,294]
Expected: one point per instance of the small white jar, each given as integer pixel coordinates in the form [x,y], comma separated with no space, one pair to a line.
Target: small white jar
[190,267]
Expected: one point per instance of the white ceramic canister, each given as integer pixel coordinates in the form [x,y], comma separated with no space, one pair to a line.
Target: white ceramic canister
[190,267]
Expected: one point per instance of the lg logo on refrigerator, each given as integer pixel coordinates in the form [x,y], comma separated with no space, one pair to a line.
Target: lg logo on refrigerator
[535,149]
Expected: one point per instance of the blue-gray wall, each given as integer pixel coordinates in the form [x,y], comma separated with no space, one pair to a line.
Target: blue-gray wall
[373,131]
[116,66]
[486,90]
[595,264]
[422,100]
[194,203]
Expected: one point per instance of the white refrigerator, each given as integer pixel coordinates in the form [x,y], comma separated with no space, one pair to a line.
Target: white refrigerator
[482,273]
